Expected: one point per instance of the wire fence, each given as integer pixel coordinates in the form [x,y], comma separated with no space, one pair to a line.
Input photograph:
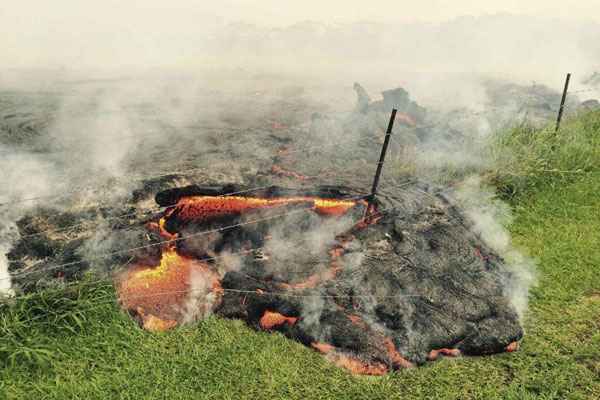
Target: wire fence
[156,209]
[289,293]
[168,241]
[134,213]
[152,210]
[190,171]
[242,252]
[588,90]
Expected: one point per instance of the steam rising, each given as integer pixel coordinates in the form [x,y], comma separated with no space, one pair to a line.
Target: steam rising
[18,168]
[490,218]
[8,235]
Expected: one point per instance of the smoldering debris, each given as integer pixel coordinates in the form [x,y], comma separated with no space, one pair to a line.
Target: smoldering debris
[416,281]
[373,297]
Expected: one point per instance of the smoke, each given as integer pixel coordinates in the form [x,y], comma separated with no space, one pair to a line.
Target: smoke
[302,239]
[201,298]
[8,235]
[490,218]
[73,162]
[437,61]
[95,130]
[25,176]
[228,261]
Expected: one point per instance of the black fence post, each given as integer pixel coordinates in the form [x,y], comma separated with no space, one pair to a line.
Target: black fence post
[562,102]
[386,143]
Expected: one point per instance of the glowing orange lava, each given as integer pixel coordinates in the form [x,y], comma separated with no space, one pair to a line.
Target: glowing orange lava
[158,294]
[271,319]
[397,359]
[161,295]
[321,276]
[202,208]
[434,354]
[160,228]
[351,363]
[512,347]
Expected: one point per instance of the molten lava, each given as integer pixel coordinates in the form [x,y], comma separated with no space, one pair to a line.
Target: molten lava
[315,279]
[157,294]
[397,360]
[434,354]
[351,363]
[233,273]
[204,208]
[386,343]
[512,347]
[271,319]
[161,229]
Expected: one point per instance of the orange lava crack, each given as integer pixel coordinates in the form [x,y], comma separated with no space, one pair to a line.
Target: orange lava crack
[434,354]
[271,319]
[512,347]
[279,171]
[349,362]
[201,208]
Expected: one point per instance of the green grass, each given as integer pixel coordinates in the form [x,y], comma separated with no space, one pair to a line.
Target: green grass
[57,345]
[527,159]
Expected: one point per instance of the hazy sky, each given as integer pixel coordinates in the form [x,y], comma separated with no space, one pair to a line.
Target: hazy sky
[88,32]
[40,15]
[276,11]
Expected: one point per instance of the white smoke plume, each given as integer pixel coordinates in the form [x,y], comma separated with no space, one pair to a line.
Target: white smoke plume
[8,235]
[201,298]
[25,176]
[490,218]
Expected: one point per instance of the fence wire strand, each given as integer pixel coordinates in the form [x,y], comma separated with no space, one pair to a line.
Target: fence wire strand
[175,240]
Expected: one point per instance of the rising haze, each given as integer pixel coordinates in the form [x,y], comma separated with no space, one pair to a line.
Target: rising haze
[515,37]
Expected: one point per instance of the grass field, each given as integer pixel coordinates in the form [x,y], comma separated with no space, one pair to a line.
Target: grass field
[80,345]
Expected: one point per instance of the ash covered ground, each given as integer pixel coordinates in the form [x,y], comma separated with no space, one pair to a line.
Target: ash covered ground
[87,167]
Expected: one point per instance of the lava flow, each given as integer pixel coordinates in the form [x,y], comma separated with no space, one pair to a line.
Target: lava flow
[349,362]
[279,171]
[199,209]
[323,269]
[158,295]
[271,319]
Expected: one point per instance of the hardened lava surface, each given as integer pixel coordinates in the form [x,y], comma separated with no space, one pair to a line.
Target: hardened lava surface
[405,285]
